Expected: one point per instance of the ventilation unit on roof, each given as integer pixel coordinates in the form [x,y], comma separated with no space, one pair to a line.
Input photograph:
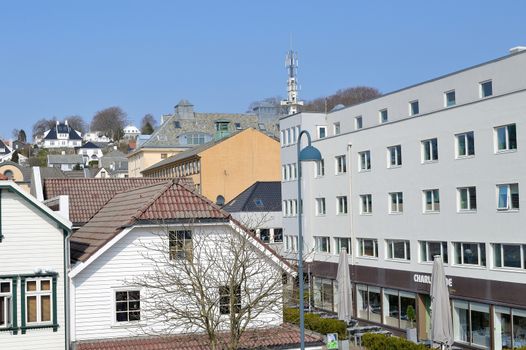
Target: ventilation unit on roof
[517,49]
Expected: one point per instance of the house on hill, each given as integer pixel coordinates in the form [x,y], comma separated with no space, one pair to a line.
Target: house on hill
[62,136]
[90,152]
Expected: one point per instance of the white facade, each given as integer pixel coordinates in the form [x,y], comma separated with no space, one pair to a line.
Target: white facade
[131,132]
[90,154]
[267,225]
[482,237]
[113,269]
[96,136]
[31,255]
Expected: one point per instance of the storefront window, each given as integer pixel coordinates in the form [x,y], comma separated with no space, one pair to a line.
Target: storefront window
[519,328]
[461,320]
[324,292]
[391,308]
[471,323]
[362,301]
[502,324]
[406,300]
[369,303]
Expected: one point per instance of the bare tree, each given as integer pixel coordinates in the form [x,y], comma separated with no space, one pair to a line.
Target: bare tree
[216,283]
[110,122]
[77,123]
[274,101]
[346,97]
[42,125]
[14,133]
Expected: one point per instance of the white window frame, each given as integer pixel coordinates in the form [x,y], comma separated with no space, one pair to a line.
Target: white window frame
[8,304]
[471,207]
[443,252]
[338,244]
[431,150]
[507,147]
[340,164]
[319,168]
[509,204]
[364,161]
[500,246]
[396,203]
[395,150]
[39,293]
[336,128]
[358,122]
[435,192]
[480,254]
[177,252]
[341,205]
[481,89]
[390,251]
[321,208]
[446,101]
[412,109]
[381,116]
[361,248]
[126,289]
[366,204]
[318,240]
[465,137]
[319,128]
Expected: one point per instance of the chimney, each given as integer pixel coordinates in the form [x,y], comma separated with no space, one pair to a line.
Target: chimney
[66,122]
[517,49]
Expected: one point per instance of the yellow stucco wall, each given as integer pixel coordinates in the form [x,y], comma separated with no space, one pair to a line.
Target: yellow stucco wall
[18,177]
[231,166]
[144,158]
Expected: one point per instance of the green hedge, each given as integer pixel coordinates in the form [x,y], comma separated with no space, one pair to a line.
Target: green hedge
[316,323]
[373,341]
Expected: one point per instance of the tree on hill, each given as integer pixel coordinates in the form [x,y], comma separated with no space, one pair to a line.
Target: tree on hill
[22,137]
[110,122]
[14,157]
[148,124]
[42,125]
[147,129]
[77,123]
[346,97]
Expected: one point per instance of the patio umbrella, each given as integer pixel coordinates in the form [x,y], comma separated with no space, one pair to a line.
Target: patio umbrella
[441,321]
[344,288]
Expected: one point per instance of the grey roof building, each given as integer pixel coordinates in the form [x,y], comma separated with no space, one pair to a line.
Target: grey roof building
[115,163]
[65,162]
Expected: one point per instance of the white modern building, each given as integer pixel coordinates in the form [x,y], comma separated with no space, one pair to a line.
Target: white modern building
[434,168]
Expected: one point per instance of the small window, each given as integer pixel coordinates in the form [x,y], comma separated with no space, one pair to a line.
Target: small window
[343,243]
[5,304]
[398,250]
[486,89]
[429,150]
[38,301]
[396,203]
[181,246]
[262,126]
[320,206]
[238,126]
[341,164]
[429,249]
[264,235]
[128,306]
[177,124]
[320,168]
[467,198]
[431,201]
[322,132]
[465,144]
[467,253]
[8,174]
[322,244]
[225,299]
[394,156]
[341,205]
[384,117]
[336,127]
[508,197]
[164,155]
[366,204]
[258,202]
[450,98]
[414,108]
[506,138]
[365,160]
[358,123]
[368,247]
[278,235]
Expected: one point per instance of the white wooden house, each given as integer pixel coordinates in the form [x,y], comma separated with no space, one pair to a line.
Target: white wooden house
[109,254]
[33,265]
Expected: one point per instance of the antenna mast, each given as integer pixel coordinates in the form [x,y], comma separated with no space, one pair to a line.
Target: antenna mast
[292,102]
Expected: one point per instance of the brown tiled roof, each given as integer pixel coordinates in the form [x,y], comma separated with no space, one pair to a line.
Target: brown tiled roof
[87,196]
[283,337]
[158,202]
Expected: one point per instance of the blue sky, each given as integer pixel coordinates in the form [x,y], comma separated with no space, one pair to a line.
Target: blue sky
[59,58]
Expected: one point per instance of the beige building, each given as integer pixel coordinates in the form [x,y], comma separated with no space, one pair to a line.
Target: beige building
[143,158]
[226,167]
[21,175]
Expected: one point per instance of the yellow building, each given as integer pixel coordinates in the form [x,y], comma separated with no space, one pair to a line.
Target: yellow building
[21,175]
[143,158]
[227,166]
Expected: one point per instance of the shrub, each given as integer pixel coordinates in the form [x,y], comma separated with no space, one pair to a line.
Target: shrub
[316,323]
[373,341]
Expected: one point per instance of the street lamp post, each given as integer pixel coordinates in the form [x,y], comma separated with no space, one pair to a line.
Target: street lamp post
[309,153]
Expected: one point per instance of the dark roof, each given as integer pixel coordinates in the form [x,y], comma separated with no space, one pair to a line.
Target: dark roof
[160,202]
[261,196]
[87,196]
[62,128]
[89,145]
[4,146]
[285,336]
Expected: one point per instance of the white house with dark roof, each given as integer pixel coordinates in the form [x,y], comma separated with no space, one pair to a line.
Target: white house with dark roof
[5,152]
[62,136]
[34,261]
[112,251]
[90,152]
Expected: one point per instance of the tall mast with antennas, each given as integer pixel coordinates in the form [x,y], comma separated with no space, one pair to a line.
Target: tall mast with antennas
[292,102]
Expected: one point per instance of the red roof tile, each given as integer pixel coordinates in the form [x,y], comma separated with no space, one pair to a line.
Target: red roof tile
[87,196]
[281,337]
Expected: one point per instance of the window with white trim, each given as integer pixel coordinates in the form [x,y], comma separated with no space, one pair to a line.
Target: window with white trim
[342,242]
[396,203]
[5,304]
[229,299]
[383,115]
[365,160]
[428,250]
[358,122]
[394,156]
[320,168]
[320,206]
[414,108]
[507,197]
[322,244]
[322,132]
[341,164]
[431,201]
[38,301]
[486,89]
[465,143]
[366,204]
[368,247]
[505,138]
[450,98]
[468,253]
[180,245]
[341,205]
[467,198]
[398,250]
[127,305]
[429,150]
[509,255]
[336,128]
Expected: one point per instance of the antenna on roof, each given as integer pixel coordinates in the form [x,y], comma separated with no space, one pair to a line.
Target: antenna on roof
[292,102]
